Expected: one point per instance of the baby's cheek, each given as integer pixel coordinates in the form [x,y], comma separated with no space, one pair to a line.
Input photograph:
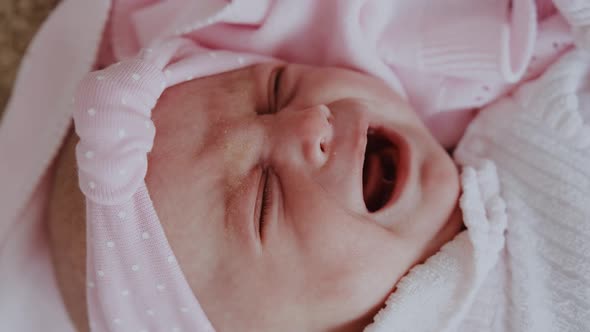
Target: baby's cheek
[355,269]
[439,170]
[441,177]
[240,149]
[239,155]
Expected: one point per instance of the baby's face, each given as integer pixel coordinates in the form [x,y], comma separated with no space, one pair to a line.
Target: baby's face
[257,177]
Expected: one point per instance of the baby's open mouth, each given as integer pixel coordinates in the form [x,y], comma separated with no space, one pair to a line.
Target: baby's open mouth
[380,169]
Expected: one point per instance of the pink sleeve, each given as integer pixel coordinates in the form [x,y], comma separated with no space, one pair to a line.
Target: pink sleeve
[464,74]
[442,55]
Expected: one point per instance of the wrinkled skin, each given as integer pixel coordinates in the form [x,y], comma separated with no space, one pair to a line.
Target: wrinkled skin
[234,146]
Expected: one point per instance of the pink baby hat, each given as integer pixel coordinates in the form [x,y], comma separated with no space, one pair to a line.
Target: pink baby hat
[134,282]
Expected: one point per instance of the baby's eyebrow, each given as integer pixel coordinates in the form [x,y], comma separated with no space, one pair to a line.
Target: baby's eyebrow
[244,88]
[291,85]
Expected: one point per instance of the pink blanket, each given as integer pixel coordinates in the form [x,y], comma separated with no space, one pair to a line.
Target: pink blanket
[447,57]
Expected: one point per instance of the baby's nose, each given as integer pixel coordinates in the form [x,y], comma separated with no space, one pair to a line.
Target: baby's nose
[311,133]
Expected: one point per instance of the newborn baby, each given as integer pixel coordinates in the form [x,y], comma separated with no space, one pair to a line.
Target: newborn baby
[238,214]
[310,189]
[299,197]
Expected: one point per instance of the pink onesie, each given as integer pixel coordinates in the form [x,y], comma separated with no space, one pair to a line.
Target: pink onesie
[447,60]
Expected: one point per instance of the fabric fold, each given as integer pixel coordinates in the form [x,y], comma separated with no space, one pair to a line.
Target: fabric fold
[47,56]
[134,281]
[112,118]
[486,41]
[436,295]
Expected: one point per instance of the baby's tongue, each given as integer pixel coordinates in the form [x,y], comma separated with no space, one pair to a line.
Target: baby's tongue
[379,172]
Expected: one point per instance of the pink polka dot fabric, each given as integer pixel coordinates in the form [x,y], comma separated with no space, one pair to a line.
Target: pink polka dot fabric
[134,282]
[391,40]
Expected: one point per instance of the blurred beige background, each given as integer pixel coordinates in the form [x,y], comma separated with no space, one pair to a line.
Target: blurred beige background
[19,20]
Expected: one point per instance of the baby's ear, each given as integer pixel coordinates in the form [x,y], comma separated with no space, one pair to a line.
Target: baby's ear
[66,206]
[66,228]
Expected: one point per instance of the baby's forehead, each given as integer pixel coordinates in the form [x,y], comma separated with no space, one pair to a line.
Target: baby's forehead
[223,90]
[228,82]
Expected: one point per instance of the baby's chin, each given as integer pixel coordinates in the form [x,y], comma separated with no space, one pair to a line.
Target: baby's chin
[453,226]
[443,218]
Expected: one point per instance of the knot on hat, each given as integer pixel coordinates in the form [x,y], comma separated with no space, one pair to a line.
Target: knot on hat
[112,116]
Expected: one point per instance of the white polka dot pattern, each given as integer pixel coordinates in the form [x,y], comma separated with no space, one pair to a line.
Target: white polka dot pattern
[134,282]
[133,82]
